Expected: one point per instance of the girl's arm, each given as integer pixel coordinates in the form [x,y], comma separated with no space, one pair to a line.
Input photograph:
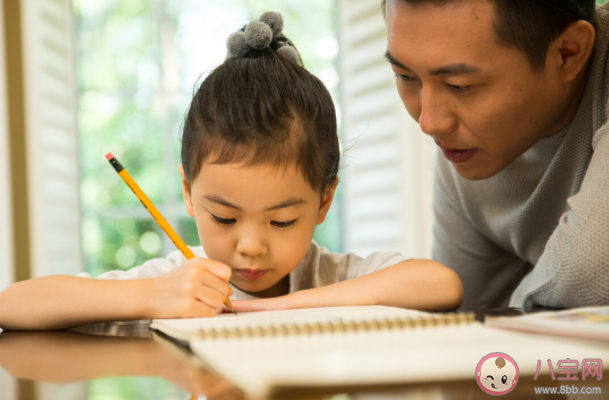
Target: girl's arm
[197,288]
[57,302]
[416,284]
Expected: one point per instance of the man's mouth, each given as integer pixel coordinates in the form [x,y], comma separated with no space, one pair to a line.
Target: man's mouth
[252,273]
[457,156]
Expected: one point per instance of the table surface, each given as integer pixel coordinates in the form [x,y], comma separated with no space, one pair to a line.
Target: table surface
[123,361]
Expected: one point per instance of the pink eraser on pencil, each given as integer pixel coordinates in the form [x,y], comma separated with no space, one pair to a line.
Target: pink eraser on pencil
[109,156]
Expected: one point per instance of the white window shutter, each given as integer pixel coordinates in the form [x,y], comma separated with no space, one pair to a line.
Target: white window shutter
[52,138]
[388,160]
[6,234]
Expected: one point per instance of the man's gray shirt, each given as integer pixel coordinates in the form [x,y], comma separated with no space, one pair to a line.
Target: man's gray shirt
[537,233]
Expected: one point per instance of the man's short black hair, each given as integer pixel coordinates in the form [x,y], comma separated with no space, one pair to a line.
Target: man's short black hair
[530,25]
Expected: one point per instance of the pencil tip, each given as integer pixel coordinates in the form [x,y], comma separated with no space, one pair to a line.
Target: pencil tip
[235,312]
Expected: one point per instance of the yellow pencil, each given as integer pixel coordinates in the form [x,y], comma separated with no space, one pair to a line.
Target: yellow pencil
[158,217]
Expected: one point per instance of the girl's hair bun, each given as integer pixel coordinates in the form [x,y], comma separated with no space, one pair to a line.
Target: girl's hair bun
[236,45]
[274,20]
[290,53]
[262,106]
[258,35]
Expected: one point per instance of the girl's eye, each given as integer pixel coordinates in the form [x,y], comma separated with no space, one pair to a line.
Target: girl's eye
[504,379]
[222,221]
[490,376]
[283,224]
[457,88]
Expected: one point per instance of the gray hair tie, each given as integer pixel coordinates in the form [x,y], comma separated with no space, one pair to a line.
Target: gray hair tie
[259,35]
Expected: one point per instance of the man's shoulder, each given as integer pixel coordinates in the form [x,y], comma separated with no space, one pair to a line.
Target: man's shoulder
[599,74]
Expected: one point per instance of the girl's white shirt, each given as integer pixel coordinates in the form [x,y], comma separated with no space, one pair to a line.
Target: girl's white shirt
[319,268]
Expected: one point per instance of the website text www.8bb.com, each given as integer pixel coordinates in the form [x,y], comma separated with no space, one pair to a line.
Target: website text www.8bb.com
[567,389]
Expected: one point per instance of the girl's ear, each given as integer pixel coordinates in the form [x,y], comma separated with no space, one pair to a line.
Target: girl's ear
[326,201]
[186,193]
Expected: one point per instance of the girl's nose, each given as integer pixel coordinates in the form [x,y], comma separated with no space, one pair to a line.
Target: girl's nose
[252,243]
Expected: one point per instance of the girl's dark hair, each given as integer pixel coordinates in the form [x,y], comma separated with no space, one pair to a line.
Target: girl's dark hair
[263,108]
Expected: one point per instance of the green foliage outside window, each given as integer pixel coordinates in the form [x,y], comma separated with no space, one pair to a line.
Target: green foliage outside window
[127,388]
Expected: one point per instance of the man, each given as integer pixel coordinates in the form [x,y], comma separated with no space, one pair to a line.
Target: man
[515,93]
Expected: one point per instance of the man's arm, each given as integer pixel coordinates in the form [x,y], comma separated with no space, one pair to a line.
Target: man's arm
[573,270]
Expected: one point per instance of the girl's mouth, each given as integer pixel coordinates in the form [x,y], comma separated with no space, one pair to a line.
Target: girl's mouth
[252,273]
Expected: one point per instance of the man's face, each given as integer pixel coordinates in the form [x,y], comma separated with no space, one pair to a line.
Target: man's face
[480,101]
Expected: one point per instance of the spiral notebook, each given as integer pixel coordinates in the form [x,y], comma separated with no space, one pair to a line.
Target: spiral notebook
[302,351]
[283,322]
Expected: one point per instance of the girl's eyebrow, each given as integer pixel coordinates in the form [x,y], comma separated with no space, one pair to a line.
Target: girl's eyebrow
[288,203]
[221,201]
[284,204]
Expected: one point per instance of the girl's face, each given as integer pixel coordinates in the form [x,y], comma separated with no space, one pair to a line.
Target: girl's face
[259,220]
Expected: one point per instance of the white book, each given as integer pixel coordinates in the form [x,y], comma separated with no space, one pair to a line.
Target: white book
[296,351]
[586,323]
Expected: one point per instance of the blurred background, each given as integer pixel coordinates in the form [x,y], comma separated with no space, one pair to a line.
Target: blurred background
[82,78]
[85,77]
[138,63]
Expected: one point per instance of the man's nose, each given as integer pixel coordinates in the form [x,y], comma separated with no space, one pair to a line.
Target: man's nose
[436,116]
[252,243]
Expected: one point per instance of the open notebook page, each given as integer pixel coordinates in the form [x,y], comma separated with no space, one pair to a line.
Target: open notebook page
[184,329]
[281,365]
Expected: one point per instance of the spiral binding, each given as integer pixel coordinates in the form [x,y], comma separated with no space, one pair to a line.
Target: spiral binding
[332,327]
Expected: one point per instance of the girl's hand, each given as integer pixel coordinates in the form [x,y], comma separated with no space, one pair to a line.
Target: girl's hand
[276,303]
[195,289]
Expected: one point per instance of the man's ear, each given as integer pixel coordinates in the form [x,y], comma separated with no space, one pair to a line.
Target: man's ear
[326,201]
[573,48]
[186,193]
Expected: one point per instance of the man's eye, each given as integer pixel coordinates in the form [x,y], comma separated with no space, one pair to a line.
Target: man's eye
[405,78]
[286,224]
[222,221]
[457,88]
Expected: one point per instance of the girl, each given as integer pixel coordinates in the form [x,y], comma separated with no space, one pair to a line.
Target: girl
[260,157]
